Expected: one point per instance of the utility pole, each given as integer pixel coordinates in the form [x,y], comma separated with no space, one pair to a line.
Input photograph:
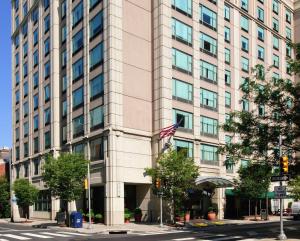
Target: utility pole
[282,235]
[161,211]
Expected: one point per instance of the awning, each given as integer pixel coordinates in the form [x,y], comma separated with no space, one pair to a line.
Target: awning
[230,192]
[214,181]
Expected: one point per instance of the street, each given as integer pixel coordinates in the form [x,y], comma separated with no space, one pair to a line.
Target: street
[11,232]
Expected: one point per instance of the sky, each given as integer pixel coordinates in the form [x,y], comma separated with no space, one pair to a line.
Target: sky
[5,75]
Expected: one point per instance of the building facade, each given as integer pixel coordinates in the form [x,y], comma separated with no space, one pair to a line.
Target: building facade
[103,77]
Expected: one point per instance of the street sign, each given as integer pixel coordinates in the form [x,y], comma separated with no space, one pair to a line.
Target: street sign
[280,178]
[280,191]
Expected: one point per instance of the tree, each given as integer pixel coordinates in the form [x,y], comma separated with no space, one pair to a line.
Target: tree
[177,174]
[64,176]
[294,188]
[26,194]
[254,181]
[4,198]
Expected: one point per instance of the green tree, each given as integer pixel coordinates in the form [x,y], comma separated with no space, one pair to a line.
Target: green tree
[26,194]
[64,176]
[177,174]
[4,198]
[254,181]
[294,188]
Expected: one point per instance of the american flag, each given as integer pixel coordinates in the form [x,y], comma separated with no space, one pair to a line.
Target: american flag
[169,131]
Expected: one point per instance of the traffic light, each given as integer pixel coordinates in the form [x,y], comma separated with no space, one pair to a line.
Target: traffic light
[157,183]
[284,165]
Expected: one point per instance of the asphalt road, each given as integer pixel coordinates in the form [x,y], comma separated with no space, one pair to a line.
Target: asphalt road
[12,232]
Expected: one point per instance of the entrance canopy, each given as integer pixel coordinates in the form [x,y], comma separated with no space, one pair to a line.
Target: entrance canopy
[214,181]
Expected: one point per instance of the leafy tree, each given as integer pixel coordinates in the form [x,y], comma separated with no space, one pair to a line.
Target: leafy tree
[26,194]
[4,198]
[177,174]
[64,176]
[294,188]
[254,181]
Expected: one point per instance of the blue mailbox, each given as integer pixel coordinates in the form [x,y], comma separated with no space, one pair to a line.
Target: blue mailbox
[76,220]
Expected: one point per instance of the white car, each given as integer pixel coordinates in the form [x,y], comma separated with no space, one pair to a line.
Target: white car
[296,210]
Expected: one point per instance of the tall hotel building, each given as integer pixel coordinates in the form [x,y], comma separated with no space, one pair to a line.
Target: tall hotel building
[103,77]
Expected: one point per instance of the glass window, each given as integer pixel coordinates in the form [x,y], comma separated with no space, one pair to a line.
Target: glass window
[77,41]
[64,83]
[227,99]
[208,99]
[17,59]
[64,34]
[275,60]
[64,58]
[288,16]
[260,52]
[17,157]
[183,119]
[63,9]
[96,56]
[260,33]
[182,61]
[77,69]
[245,105]
[35,79]
[261,110]
[96,87]
[208,71]
[78,98]
[64,134]
[64,108]
[26,155]
[47,140]
[17,133]
[46,23]
[275,42]
[97,117]
[96,25]
[35,58]
[35,101]
[227,55]
[17,78]
[17,22]
[260,14]
[288,51]
[275,6]
[35,37]
[47,93]
[25,49]
[47,116]
[47,70]
[275,24]
[77,13]
[97,149]
[245,44]
[25,109]
[47,46]
[208,17]
[183,6]
[36,149]
[25,129]
[209,154]
[275,77]
[36,164]
[182,91]
[93,3]
[17,114]
[78,126]
[25,89]
[17,41]
[46,4]
[79,148]
[227,77]
[244,4]
[185,147]
[209,126]
[43,202]
[245,64]
[16,5]
[17,94]
[288,32]
[25,29]
[208,44]
[227,34]
[244,23]
[36,122]
[181,32]
[35,15]
[288,69]
[226,12]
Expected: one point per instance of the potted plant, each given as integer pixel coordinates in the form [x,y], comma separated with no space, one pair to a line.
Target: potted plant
[127,215]
[88,216]
[138,215]
[212,212]
[98,218]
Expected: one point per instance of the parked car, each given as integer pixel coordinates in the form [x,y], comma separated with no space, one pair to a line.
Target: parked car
[296,210]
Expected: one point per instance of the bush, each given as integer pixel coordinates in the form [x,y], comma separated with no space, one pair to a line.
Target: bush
[137,211]
[127,214]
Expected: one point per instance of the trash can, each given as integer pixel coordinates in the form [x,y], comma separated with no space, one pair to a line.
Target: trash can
[76,220]
[61,218]
[263,214]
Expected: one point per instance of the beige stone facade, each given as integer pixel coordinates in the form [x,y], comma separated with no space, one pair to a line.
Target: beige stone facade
[113,73]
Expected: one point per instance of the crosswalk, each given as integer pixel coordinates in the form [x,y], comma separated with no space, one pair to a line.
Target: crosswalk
[147,233]
[38,235]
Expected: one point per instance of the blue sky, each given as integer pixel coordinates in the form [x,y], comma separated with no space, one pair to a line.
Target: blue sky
[5,75]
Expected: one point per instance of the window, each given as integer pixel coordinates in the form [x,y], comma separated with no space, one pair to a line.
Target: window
[25,129]
[275,6]
[77,41]
[25,109]
[228,99]
[181,32]
[227,56]
[78,98]
[182,91]
[96,56]
[77,69]
[47,93]
[36,149]
[43,202]
[16,5]
[260,14]
[35,16]
[25,49]
[93,3]
[79,148]
[209,126]
[25,89]
[245,105]
[227,34]
[288,16]
[17,78]
[275,42]
[17,59]
[288,51]
[46,23]
[35,122]
[183,6]
[97,149]
[288,32]
[97,118]
[35,58]
[64,134]
[47,137]
[46,4]
[209,155]
[47,70]
[35,37]
[64,108]
[244,23]
[96,87]
[47,46]
[184,147]
[35,79]
[208,44]
[184,119]
[17,114]
[36,164]
[64,34]
[288,69]
[275,24]
[208,17]
[25,29]
[47,116]
[17,133]
[17,41]
[260,33]
[96,25]
[17,94]
[182,61]
[35,101]
[64,83]
[244,4]
[26,155]
[227,77]
[261,110]
[260,52]
[77,13]
[275,77]
[245,64]
[208,99]
[226,12]
[17,22]
[17,158]
[63,9]
[64,58]
[78,126]
[245,44]
[276,61]
[208,71]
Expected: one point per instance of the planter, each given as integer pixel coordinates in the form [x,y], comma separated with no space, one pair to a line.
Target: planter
[127,220]
[187,217]
[211,215]
[138,217]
